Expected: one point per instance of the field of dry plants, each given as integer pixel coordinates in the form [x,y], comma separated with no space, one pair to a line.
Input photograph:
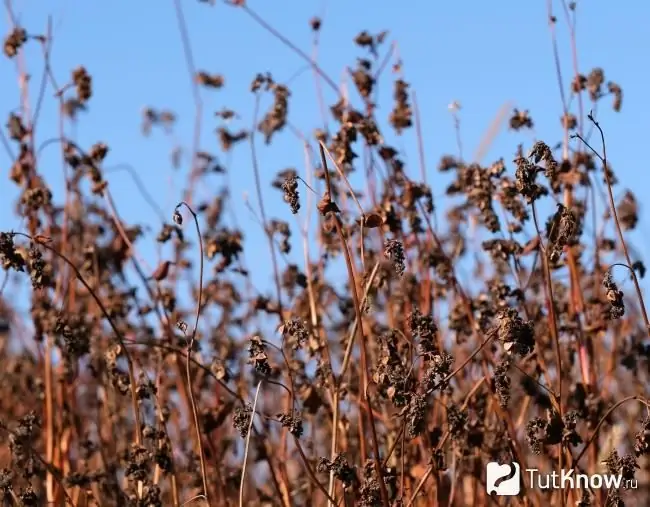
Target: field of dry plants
[378,378]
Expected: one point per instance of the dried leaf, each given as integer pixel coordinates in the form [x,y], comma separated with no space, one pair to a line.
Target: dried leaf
[161,271]
[325,205]
[372,221]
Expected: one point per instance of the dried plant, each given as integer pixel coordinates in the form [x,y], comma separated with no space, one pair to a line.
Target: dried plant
[371,375]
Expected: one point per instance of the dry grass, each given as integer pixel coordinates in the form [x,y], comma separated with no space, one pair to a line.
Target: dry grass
[393,384]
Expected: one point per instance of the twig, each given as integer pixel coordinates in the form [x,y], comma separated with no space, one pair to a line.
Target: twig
[550,301]
[431,467]
[134,399]
[344,367]
[259,20]
[362,338]
[354,198]
[594,435]
[248,439]
[612,206]
[196,95]
[190,347]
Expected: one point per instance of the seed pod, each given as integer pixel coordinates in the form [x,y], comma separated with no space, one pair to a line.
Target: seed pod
[161,271]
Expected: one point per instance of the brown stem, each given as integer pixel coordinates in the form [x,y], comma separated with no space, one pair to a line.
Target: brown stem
[290,45]
[134,399]
[274,260]
[196,95]
[594,435]
[190,347]
[362,338]
[612,206]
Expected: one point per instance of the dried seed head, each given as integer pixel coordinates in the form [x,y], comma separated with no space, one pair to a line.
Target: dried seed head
[257,356]
[293,423]
[161,271]
[416,416]
[642,438]
[242,419]
[215,81]
[401,116]
[291,195]
[520,120]
[340,468]
[614,297]
[517,336]
[394,252]
[16,127]
[561,231]
[525,177]
[502,382]
[14,41]
[617,92]
[296,332]
[326,205]
[315,24]
[83,83]
[275,120]
[628,211]
[182,325]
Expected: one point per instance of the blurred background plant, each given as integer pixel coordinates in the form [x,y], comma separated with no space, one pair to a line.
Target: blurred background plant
[262,256]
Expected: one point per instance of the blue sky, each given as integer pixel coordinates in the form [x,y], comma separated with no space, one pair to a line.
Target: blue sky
[482,54]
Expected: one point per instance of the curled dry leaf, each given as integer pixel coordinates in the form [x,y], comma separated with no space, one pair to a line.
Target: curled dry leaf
[460,328]
[161,271]
[372,221]
[326,205]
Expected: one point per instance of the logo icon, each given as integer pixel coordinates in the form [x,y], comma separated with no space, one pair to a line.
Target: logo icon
[504,480]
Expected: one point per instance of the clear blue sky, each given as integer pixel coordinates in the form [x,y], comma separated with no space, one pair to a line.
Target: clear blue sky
[479,53]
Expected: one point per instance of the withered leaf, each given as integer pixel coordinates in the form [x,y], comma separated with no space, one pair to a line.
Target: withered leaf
[161,271]
[325,205]
[372,221]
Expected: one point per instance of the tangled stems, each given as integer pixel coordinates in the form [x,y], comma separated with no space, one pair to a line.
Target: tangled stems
[552,317]
[362,338]
[444,439]
[594,435]
[337,381]
[190,347]
[424,339]
[48,466]
[248,439]
[612,207]
[290,391]
[42,241]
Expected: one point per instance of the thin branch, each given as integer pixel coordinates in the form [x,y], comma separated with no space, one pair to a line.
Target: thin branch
[248,439]
[605,416]
[362,338]
[612,206]
[134,399]
[190,347]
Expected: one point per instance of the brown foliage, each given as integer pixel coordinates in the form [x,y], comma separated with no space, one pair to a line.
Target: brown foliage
[394,387]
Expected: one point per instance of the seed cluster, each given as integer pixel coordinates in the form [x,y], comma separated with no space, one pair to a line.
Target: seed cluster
[420,319]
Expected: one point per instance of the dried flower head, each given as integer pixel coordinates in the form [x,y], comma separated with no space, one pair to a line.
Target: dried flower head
[614,296]
[517,336]
[291,195]
[394,252]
